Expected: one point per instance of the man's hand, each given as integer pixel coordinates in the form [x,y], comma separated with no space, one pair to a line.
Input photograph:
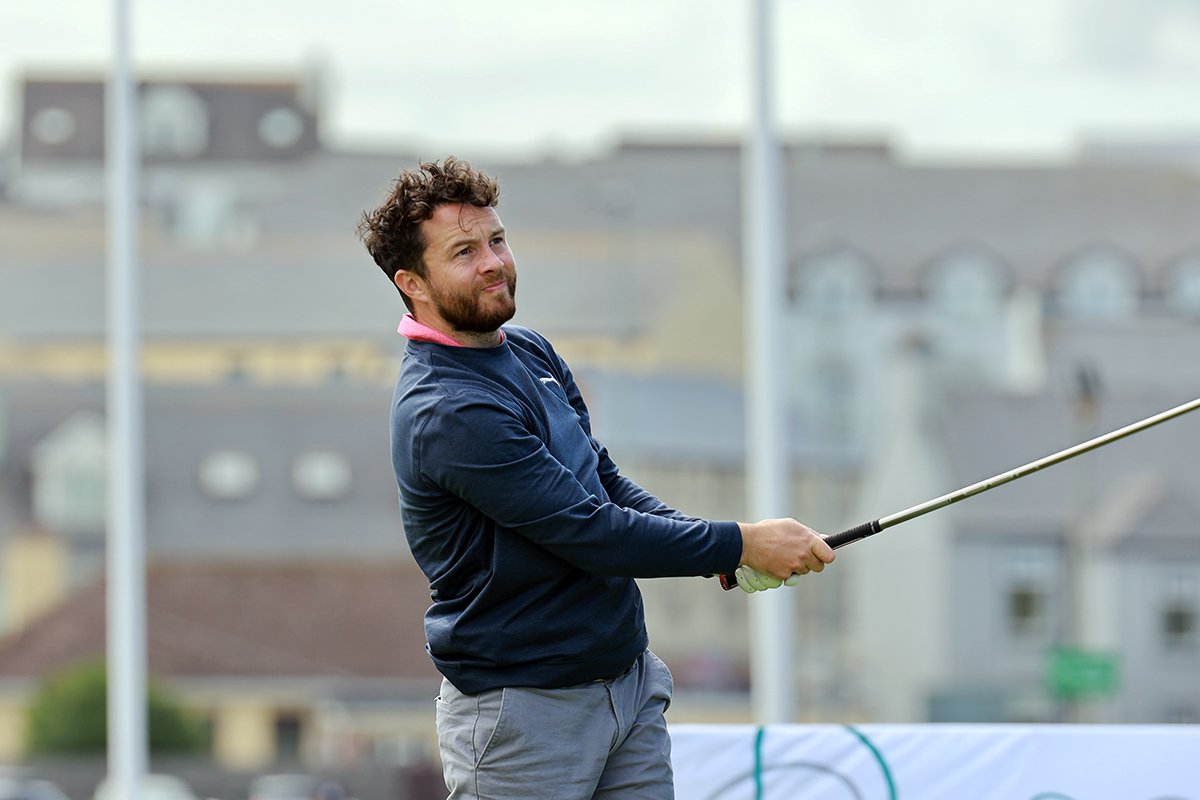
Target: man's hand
[779,551]
[751,580]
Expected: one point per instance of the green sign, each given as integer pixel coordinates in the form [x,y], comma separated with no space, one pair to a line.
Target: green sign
[1071,673]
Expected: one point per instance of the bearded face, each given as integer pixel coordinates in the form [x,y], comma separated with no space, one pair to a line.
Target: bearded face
[469,285]
[474,309]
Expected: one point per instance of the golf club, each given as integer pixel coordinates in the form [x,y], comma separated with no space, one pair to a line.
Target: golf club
[854,534]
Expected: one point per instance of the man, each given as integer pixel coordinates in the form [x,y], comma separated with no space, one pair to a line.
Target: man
[528,533]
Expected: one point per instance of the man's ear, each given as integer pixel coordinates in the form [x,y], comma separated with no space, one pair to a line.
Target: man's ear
[410,283]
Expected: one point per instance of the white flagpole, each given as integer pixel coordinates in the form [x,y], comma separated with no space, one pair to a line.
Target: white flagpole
[127,724]
[771,613]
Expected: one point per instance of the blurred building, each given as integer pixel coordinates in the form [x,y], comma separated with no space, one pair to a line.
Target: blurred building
[289,662]
[940,318]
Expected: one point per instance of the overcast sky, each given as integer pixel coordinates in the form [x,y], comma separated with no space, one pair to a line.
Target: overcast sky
[939,77]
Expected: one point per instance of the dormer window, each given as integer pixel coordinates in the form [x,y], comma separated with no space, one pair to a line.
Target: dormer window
[966,283]
[70,468]
[281,127]
[53,126]
[229,474]
[321,475]
[836,283]
[174,122]
[1183,286]
[1098,285]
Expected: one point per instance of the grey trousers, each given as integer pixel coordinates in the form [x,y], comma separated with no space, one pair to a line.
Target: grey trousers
[597,741]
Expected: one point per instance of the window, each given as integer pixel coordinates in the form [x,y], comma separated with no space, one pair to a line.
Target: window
[289,729]
[1178,615]
[1099,285]
[966,283]
[70,475]
[1026,608]
[174,122]
[1027,593]
[835,283]
[229,474]
[281,127]
[321,475]
[53,125]
[1183,285]
[1179,625]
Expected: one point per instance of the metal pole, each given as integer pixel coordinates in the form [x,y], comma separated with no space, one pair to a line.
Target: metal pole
[127,739]
[771,613]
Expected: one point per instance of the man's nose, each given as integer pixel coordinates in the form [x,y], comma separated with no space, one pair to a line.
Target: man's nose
[493,261]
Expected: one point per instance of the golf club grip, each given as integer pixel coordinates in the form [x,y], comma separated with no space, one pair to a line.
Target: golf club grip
[852,535]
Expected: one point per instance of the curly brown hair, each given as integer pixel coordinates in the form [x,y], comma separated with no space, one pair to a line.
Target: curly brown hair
[392,232]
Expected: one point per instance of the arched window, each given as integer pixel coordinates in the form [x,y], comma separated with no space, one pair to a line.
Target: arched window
[1098,284]
[1183,285]
[968,282]
[834,283]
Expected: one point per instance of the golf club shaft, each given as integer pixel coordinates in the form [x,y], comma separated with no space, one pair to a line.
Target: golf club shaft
[863,531]
[856,533]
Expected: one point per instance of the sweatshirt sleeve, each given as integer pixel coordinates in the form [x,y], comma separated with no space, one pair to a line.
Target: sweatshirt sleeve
[479,451]
[621,490]
[627,493]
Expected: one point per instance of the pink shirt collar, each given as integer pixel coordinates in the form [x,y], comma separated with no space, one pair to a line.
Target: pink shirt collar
[420,332]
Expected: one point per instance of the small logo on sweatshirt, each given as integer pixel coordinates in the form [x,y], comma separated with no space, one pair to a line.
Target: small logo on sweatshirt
[548,381]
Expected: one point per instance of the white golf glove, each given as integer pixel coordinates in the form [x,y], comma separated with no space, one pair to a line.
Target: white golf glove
[751,580]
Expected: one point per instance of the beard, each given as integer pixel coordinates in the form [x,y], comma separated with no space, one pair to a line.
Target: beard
[466,311]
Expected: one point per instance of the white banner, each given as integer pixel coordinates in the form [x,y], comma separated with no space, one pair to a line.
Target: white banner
[936,762]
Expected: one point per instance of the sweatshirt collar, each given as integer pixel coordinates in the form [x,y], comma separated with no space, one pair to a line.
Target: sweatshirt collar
[420,332]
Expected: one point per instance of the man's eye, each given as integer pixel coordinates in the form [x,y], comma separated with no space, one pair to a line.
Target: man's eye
[498,240]
[466,251]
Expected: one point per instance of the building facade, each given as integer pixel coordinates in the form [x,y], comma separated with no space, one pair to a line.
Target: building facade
[944,322]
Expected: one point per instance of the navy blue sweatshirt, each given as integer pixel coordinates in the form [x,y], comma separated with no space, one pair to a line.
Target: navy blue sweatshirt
[527,532]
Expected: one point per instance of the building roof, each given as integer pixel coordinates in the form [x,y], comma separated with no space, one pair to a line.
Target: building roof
[275,427]
[666,418]
[602,244]
[333,620]
[1148,354]
[1146,483]
[900,216]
